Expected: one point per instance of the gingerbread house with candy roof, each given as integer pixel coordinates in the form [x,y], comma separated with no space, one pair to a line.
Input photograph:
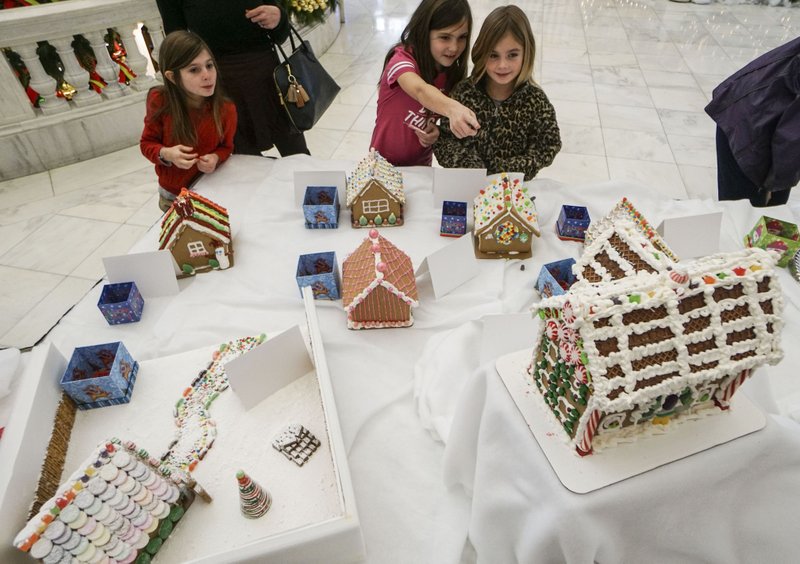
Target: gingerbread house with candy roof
[378,285]
[622,244]
[616,359]
[375,193]
[198,234]
[505,220]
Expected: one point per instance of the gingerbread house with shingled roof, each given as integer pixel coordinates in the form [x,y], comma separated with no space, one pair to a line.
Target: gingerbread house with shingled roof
[378,285]
[613,358]
[198,234]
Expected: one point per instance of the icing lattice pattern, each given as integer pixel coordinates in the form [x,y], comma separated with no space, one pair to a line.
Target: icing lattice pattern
[296,443]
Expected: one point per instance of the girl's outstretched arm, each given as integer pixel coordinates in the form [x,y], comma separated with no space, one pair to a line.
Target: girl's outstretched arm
[463,122]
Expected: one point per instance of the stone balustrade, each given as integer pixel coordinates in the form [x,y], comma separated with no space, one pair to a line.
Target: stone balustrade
[61,131]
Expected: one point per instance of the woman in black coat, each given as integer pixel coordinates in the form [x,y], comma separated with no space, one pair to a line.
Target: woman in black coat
[757,111]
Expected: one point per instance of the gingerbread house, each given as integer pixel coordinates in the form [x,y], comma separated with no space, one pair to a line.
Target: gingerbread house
[505,220]
[198,234]
[616,359]
[622,244]
[375,193]
[378,285]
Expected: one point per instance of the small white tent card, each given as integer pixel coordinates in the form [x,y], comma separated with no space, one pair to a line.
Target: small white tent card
[305,178]
[278,361]
[450,266]
[692,236]
[457,184]
[153,272]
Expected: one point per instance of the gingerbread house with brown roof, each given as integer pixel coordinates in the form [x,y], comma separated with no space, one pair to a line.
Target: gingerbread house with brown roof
[378,285]
[505,220]
[198,234]
[375,193]
[615,358]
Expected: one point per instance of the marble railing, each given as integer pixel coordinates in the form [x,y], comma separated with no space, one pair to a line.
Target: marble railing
[89,124]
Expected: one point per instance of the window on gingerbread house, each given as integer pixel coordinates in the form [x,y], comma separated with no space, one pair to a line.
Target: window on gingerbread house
[376,206]
[196,249]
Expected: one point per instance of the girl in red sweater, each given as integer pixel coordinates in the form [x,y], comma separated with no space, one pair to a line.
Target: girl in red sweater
[189,126]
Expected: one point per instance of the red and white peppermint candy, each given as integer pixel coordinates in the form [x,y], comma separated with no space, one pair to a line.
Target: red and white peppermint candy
[581,374]
[568,313]
[679,277]
[569,334]
[569,352]
[552,329]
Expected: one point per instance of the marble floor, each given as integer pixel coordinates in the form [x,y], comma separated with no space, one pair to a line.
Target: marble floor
[628,78]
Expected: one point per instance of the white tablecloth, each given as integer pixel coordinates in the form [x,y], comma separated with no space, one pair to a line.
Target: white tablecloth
[407,513]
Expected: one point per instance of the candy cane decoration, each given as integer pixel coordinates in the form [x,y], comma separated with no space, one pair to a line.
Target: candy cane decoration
[723,397]
[585,446]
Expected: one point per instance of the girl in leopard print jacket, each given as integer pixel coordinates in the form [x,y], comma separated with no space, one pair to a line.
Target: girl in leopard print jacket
[519,132]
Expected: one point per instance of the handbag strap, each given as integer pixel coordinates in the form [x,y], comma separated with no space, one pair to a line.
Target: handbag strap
[278,48]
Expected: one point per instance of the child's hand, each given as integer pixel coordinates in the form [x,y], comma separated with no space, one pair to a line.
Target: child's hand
[208,163]
[427,136]
[267,17]
[179,155]
[463,122]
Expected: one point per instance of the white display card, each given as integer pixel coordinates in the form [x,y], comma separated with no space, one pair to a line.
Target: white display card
[624,460]
[270,366]
[305,178]
[504,333]
[692,235]
[153,272]
[458,185]
[450,266]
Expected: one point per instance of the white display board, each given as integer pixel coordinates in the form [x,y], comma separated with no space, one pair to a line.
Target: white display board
[617,463]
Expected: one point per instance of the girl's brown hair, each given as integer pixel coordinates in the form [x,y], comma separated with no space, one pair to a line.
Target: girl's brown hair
[431,15]
[503,20]
[176,52]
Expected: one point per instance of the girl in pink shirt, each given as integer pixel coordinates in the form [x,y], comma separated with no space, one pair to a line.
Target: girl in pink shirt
[418,73]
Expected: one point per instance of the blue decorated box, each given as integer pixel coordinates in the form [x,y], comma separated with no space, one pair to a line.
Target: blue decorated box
[100,375]
[121,303]
[572,223]
[454,219]
[321,207]
[320,271]
[555,278]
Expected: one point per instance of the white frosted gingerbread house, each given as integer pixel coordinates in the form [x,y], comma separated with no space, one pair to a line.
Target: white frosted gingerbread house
[197,232]
[505,220]
[375,193]
[621,244]
[615,357]
[378,285]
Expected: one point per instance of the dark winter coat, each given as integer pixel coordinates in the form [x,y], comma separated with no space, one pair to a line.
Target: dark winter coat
[518,135]
[758,109]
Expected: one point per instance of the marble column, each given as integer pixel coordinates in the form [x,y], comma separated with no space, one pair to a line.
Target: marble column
[156,30]
[74,73]
[135,59]
[42,82]
[106,67]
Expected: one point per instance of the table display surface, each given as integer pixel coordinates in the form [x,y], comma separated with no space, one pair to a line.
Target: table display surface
[406,512]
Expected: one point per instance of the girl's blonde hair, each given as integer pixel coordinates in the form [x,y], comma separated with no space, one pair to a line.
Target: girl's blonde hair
[176,52]
[431,15]
[501,21]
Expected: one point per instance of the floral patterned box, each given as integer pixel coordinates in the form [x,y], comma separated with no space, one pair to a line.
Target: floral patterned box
[321,207]
[100,375]
[121,303]
[572,223]
[770,233]
[555,278]
[320,271]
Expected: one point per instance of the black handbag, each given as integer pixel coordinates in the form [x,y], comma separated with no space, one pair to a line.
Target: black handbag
[304,86]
